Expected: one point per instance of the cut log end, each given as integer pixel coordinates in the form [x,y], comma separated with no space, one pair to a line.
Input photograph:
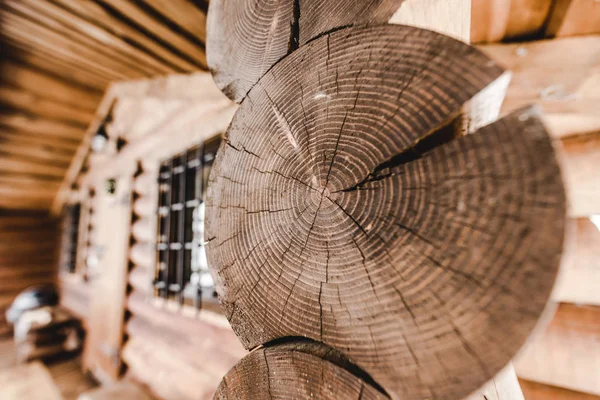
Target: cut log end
[296,370]
[245,39]
[344,208]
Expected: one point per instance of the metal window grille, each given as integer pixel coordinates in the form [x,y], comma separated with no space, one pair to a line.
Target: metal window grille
[181,268]
[70,233]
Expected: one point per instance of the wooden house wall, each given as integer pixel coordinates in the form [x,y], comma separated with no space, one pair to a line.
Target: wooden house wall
[177,353]
[28,254]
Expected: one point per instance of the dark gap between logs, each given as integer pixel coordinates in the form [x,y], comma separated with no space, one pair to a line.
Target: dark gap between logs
[446,133]
[325,352]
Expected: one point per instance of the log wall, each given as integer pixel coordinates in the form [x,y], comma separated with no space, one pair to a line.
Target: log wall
[174,351]
[27,254]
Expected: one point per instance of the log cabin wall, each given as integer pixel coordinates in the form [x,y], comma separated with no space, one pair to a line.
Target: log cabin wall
[28,256]
[177,352]
[49,97]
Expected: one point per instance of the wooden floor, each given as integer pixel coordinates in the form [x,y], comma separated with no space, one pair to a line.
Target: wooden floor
[67,374]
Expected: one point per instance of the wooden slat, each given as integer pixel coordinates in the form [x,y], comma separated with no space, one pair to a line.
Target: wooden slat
[581,169]
[22,29]
[35,81]
[28,381]
[526,18]
[39,105]
[43,59]
[489,20]
[142,254]
[107,42]
[539,391]
[566,353]
[185,14]
[42,127]
[562,76]
[36,151]
[156,27]
[580,275]
[574,17]
[100,17]
[13,164]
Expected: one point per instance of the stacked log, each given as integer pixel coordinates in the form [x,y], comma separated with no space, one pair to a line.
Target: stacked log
[348,208]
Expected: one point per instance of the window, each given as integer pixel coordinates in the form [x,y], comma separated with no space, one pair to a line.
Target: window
[181,269]
[68,247]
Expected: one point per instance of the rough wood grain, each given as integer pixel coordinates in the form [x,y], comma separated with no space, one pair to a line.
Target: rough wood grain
[337,213]
[245,39]
[296,370]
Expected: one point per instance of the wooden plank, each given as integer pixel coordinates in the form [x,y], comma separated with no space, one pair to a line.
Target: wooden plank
[539,391]
[36,151]
[580,273]
[526,18]
[28,381]
[164,374]
[150,24]
[566,353]
[125,389]
[35,81]
[450,17]
[28,31]
[36,104]
[43,59]
[581,169]
[13,164]
[43,127]
[489,20]
[562,76]
[97,15]
[108,44]
[107,307]
[574,17]
[26,139]
[183,13]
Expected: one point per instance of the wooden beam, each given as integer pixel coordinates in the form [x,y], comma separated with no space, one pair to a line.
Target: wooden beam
[51,143]
[36,151]
[35,81]
[504,386]
[44,60]
[185,14]
[23,165]
[153,26]
[539,391]
[450,17]
[578,280]
[43,127]
[38,104]
[581,169]
[566,353]
[97,15]
[489,20]
[75,27]
[562,76]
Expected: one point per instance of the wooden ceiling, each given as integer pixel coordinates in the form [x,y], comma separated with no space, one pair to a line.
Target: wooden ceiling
[59,56]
